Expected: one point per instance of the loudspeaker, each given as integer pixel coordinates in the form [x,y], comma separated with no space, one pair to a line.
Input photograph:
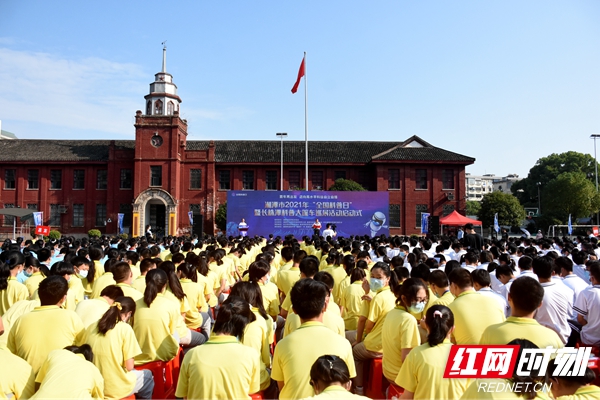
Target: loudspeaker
[434,225]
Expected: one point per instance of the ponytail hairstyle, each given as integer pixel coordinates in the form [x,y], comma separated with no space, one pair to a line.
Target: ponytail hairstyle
[121,305]
[31,261]
[250,292]
[266,257]
[169,268]
[506,259]
[409,290]
[385,269]
[85,350]
[257,270]
[216,256]
[233,316]
[440,321]
[327,370]
[349,262]
[357,274]
[188,270]
[156,280]
[334,258]
[201,264]
[4,275]
[13,259]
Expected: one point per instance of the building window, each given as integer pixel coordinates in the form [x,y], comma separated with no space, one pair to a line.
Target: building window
[340,175]
[32,207]
[224,180]
[363,179]
[10,179]
[447,209]
[394,215]
[448,179]
[195,179]
[125,209]
[9,219]
[420,208]
[421,179]
[248,180]
[156,175]
[317,180]
[100,214]
[158,107]
[56,179]
[149,108]
[271,180]
[101,178]
[170,107]
[54,215]
[79,179]
[126,181]
[393,179]
[294,180]
[77,214]
[33,179]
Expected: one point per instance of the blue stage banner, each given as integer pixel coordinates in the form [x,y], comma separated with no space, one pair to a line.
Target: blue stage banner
[294,212]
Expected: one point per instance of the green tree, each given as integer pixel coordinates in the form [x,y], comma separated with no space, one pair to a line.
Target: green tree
[94,233]
[473,207]
[548,168]
[346,185]
[570,193]
[509,211]
[221,217]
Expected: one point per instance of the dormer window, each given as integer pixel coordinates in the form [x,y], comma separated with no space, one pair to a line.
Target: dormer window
[170,106]
[149,108]
[158,107]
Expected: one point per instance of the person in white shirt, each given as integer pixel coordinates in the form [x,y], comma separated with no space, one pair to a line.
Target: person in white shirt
[557,306]
[579,269]
[481,283]
[328,232]
[525,268]
[457,251]
[506,276]
[574,282]
[587,307]
[471,261]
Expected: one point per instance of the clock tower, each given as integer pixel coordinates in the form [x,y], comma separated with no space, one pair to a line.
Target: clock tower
[160,140]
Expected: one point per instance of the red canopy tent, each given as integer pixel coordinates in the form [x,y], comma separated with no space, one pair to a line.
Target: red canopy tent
[455,219]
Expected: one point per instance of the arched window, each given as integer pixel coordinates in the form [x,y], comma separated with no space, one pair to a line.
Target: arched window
[149,108]
[170,106]
[158,107]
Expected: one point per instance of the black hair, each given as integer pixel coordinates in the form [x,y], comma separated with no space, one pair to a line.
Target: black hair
[421,271]
[526,293]
[43,254]
[169,268]
[439,325]
[409,290]
[257,270]
[504,270]
[121,272]
[112,292]
[85,350]
[111,317]
[481,277]
[329,369]
[13,258]
[525,263]
[325,277]
[594,268]
[250,292]
[349,262]
[438,278]
[542,267]
[308,298]
[95,253]
[461,278]
[233,316]
[52,290]
[451,266]
[309,266]
[62,268]
[357,274]
[385,269]
[156,280]
[188,270]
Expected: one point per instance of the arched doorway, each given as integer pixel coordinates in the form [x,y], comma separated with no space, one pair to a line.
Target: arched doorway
[155,207]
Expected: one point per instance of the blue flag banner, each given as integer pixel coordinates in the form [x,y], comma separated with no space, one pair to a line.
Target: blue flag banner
[37,218]
[496,225]
[191,217]
[570,229]
[120,222]
[425,223]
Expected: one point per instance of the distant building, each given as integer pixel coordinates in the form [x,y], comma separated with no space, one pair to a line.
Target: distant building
[479,185]
[505,183]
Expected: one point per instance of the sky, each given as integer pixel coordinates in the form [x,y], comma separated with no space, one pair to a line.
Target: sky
[505,82]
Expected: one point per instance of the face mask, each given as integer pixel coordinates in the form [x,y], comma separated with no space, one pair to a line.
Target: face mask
[268,279]
[375,284]
[26,273]
[587,276]
[417,308]
[402,254]
[83,273]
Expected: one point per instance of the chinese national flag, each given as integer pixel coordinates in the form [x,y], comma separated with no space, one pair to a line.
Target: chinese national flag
[300,75]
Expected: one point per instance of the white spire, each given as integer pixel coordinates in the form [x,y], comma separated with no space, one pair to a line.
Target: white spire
[164,64]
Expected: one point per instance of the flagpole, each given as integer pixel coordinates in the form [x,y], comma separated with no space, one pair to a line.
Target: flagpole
[305,125]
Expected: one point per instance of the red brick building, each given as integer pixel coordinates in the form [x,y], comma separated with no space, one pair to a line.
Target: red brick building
[160,176]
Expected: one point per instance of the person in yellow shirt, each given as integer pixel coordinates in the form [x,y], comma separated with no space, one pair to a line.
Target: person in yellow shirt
[156,320]
[422,373]
[48,327]
[86,271]
[291,368]
[339,271]
[14,312]
[146,265]
[124,277]
[525,297]
[222,368]
[11,290]
[90,311]
[473,313]
[114,345]
[106,279]
[287,278]
[70,374]
[287,258]
[194,292]
[259,273]
[573,387]
[330,379]
[32,266]
[366,340]
[219,268]
[16,376]
[96,254]
[351,299]
[439,285]
[401,330]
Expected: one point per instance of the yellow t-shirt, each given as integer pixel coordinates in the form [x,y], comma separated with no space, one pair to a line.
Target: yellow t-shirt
[76,286]
[45,328]
[66,375]
[591,392]
[195,294]
[422,373]
[445,300]
[474,393]
[221,273]
[15,291]
[33,282]
[256,336]
[286,279]
[130,291]
[90,311]
[154,327]
[336,392]
[209,292]
[270,297]
[184,308]
[339,274]
[293,367]
[222,368]
[16,376]
[400,331]
[351,301]
[110,353]
[99,284]
[330,319]
[287,266]
[521,328]
[139,284]
[14,312]
[383,302]
[473,313]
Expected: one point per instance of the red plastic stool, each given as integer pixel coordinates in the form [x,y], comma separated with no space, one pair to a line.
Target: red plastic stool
[257,396]
[132,397]
[394,391]
[164,387]
[374,384]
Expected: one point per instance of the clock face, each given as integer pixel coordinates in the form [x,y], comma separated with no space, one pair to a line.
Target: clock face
[156,141]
